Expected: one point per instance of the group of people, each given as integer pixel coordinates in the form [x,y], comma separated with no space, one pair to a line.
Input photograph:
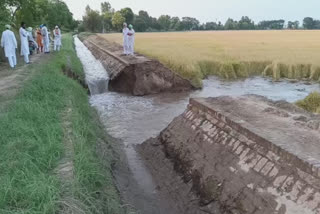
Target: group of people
[128,39]
[28,42]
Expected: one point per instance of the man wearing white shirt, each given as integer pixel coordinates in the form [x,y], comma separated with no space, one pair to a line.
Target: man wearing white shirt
[125,39]
[45,36]
[131,40]
[24,43]
[9,43]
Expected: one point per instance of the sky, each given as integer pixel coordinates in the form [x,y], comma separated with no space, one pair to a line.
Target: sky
[211,10]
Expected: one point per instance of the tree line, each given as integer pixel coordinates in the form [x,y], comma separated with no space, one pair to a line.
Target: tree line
[36,12]
[108,19]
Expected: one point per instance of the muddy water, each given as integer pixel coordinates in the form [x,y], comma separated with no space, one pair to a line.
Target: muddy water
[96,77]
[135,119]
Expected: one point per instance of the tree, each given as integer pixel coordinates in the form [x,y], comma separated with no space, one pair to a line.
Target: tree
[36,12]
[154,24]
[58,14]
[142,21]
[231,24]
[145,16]
[106,7]
[164,22]
[4,17]
[290,25]
[308,23]
[246,23]
[140,24]
[92,20]
[211,26]
[107,21]
[271,24]
[316,24]
[293,25]
[117,20]
[175,24]
[189,23]
[220,26]
[106,15]
[128,15]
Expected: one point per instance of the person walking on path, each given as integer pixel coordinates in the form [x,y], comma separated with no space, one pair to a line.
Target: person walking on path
[24,43]
[125,31]
[45,35]
[57,38]
[39,41]
[131,40]
[9,43]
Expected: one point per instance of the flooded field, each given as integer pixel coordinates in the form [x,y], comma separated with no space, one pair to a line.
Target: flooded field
[135,119]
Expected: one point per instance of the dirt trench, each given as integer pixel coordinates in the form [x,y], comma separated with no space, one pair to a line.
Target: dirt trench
[136,75]
[246,155]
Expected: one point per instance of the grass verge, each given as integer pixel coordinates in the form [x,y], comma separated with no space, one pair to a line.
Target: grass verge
[31,146]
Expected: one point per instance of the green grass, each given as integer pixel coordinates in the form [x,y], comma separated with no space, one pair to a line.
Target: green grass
[311,103]
[31,136]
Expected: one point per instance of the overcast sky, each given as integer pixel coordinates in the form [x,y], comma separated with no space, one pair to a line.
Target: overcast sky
[211,10]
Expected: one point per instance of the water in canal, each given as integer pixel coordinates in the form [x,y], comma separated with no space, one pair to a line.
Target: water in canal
[135,119]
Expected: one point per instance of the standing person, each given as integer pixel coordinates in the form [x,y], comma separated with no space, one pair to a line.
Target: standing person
[39,40]
[24,43]
[57,38]
[45,35]
[9,43]
[125,39]
[131,40]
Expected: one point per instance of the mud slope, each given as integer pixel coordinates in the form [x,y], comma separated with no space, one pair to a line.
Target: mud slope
[239,155]
[136,75]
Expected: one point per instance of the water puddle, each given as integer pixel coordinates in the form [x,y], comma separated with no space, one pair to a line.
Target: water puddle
[135,119]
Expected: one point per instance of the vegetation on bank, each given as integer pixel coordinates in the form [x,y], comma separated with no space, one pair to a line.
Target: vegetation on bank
[311,103]
[233,54]
[34,13]
[31,144]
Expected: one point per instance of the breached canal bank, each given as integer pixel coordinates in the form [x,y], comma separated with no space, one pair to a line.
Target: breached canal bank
[239,155]
[134,75]
[135,119]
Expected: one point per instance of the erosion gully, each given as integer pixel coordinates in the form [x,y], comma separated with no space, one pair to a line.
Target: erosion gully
[132,120]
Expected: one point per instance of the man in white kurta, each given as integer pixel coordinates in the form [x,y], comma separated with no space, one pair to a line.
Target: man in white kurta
[125,39]
[24,43]
[57,38]
[9,43]
[131,40]
[45,36]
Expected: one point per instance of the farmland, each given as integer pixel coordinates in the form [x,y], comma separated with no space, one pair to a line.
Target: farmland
[233,54]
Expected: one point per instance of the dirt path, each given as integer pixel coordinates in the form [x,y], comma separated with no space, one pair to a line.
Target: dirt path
[65,169]
[12,79]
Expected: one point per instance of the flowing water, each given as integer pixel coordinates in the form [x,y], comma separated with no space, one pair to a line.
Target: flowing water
[96,76]
[135,119]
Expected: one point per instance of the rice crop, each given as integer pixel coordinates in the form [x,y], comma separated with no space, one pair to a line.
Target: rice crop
[233,54]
